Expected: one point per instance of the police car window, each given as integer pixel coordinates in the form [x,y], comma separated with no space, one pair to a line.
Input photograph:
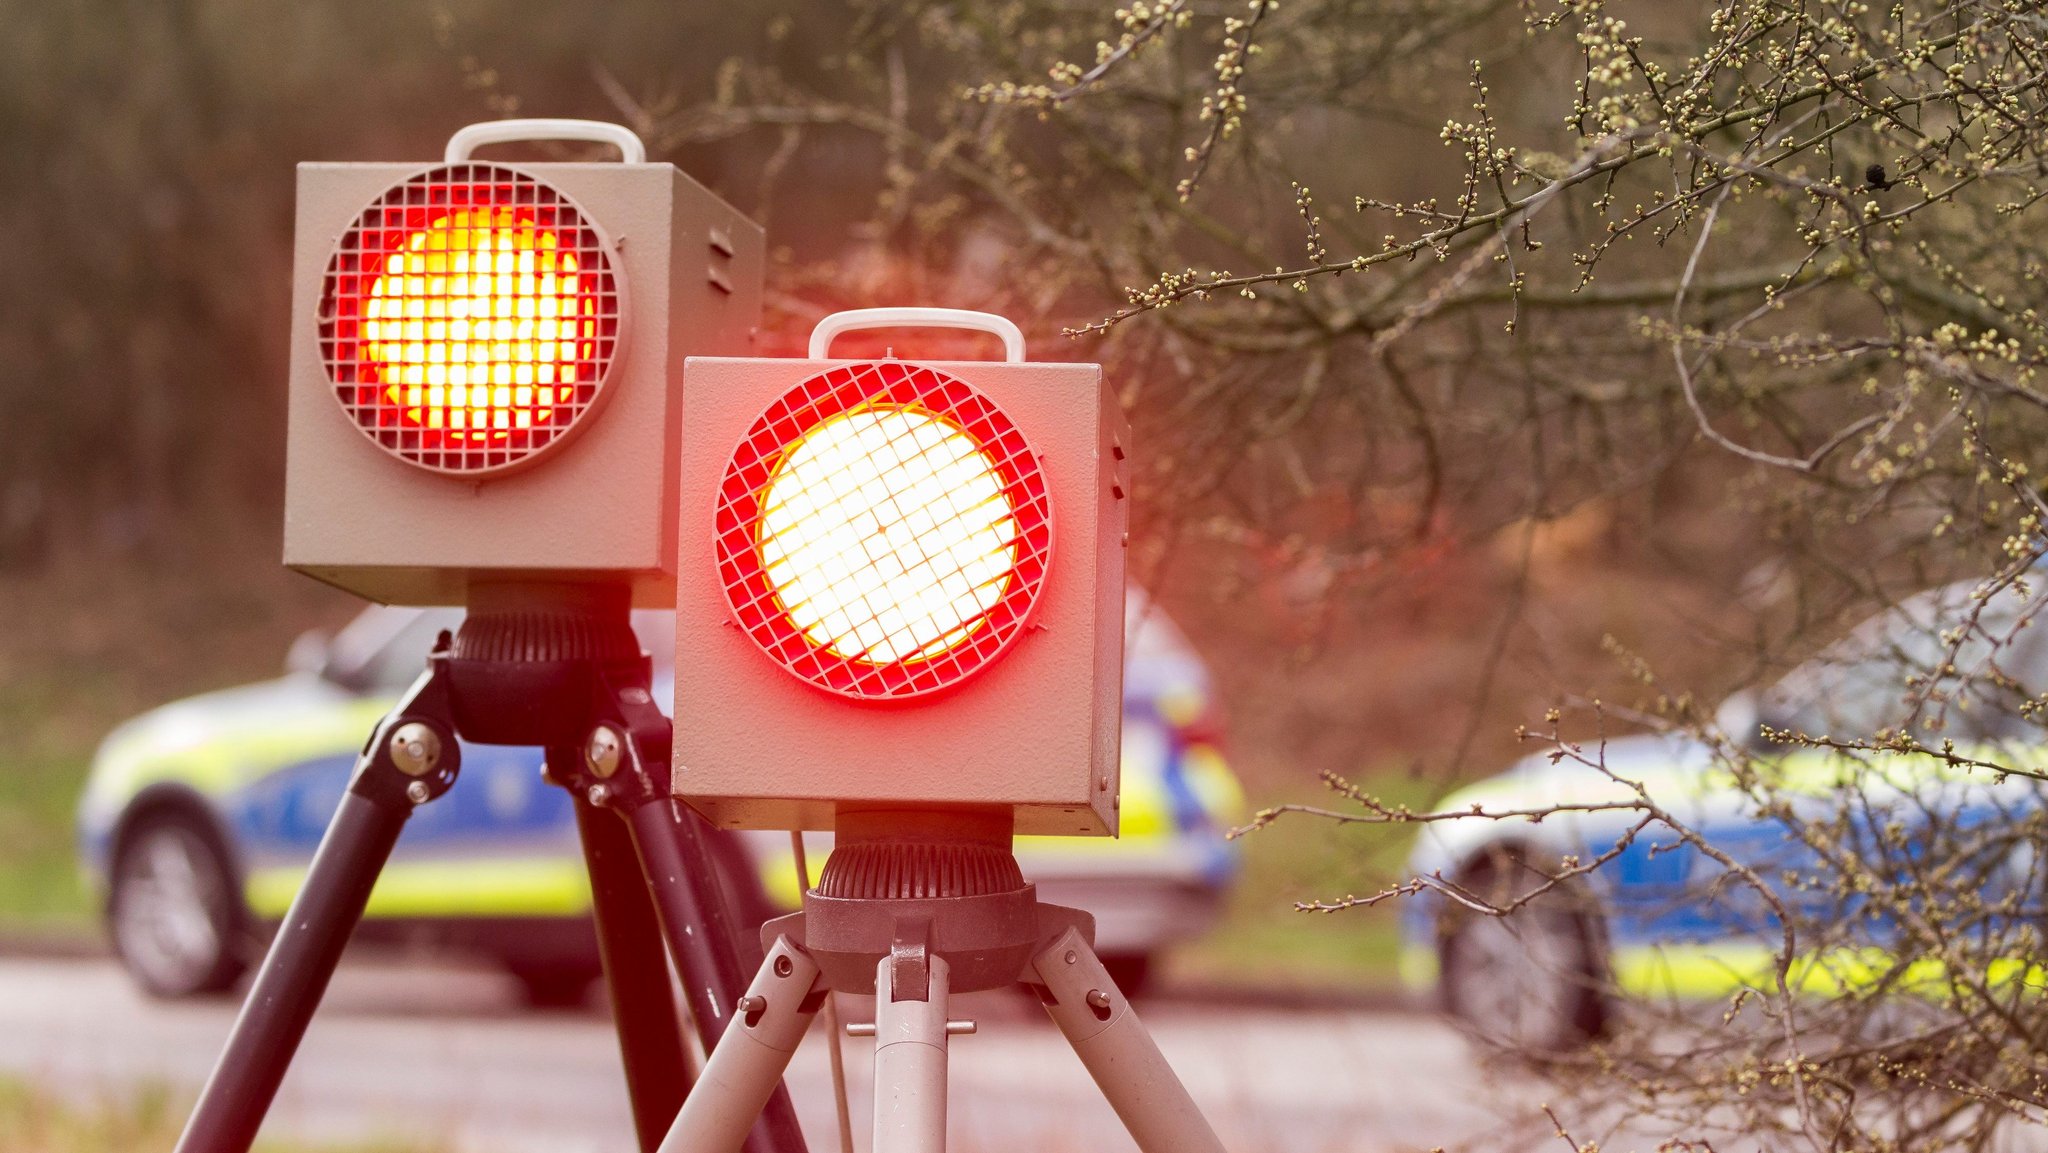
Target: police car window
[2024,662]
[656,629]
[401,638]
[1878,677]
[403,658]
[1149,634]
[1996,668]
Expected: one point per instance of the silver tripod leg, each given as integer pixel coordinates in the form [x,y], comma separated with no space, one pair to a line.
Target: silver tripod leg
[750,1058]
[910,1062]
[1119,1053]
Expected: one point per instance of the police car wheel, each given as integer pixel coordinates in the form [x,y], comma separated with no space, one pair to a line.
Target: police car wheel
[1531,980]
[173,912]
[564,985]
[1132,972]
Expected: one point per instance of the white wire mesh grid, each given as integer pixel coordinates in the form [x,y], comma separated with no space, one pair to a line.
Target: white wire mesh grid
[883,530]
[469,318]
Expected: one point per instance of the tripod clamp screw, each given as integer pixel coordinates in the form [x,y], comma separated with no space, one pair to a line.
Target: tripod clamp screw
[953,1028]
[604,750]
[415,749]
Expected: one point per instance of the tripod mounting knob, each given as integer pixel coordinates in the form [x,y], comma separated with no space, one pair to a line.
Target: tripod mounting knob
[415,749]
[919,870]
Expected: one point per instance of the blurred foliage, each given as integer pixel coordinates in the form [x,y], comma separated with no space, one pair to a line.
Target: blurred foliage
[1307,510]
[148,174]
[1265,943]
[1792,246]
[1471,344]
[35,1120]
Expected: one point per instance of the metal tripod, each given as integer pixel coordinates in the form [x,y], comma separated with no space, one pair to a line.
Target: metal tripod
[553,665]
[914,906]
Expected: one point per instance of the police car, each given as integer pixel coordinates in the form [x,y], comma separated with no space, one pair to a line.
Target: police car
[1659,918]
[200,817]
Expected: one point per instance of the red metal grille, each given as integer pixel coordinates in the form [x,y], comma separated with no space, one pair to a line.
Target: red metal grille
[469,319]
[883,531]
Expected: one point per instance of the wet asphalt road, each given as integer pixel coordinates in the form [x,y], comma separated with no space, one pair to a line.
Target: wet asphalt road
[448,1055]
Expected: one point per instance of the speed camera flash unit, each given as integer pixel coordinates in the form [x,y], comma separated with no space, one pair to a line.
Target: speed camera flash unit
[487,361]
[900,583]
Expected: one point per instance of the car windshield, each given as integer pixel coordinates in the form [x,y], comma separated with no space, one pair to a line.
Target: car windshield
[1149,634]
[1941,664]
[385,648]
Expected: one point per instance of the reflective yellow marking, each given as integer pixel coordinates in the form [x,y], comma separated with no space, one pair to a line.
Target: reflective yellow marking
[484,887]
[1722,967]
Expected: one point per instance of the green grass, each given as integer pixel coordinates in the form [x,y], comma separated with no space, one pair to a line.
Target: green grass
[88,640]
[1264,940]
[40,885]
[34,1120]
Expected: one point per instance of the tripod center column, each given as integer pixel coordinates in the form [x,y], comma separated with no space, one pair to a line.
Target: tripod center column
[910,1063]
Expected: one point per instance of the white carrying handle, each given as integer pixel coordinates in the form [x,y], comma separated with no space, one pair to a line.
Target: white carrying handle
[468,140]
[855,319]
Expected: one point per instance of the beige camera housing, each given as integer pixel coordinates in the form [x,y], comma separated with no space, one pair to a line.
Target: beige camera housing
[597,507]
[1037,729]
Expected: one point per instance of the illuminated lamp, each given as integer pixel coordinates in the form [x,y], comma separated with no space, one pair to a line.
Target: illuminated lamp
[900,586]
[469,319]
[487,360]
[883,531]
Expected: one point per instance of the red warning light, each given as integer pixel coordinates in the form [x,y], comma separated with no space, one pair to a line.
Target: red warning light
[470,317]
[883,531]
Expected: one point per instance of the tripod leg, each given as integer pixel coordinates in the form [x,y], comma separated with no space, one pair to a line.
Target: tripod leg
[683,878]
[1119,1053]
[910,1062]
[745,1070]
[632,740]
[635,972]
[295,973]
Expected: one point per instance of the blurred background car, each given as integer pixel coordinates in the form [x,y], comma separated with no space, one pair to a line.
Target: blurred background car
[1657,919]
[200,817]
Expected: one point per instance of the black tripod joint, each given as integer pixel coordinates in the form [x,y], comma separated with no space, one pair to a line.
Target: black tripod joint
[622,761]
[412,756]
